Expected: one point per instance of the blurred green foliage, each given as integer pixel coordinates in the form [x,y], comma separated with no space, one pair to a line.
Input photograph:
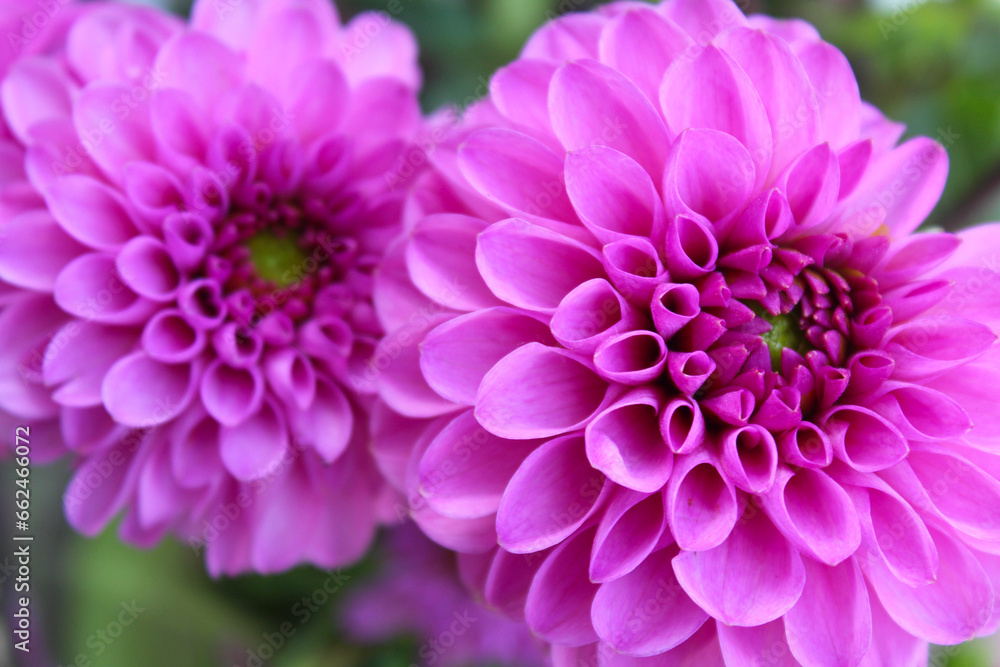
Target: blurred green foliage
[933,65]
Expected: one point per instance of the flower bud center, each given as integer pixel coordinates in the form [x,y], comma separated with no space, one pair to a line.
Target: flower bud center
[277,259]
[786,331]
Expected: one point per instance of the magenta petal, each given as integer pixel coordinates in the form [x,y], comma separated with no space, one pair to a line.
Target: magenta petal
[891,644]
[592,104]
[591,314]
[537,391]
[465,470]
[930,346]
[634,268]
[836,91]
[456,355]
[139,391]
[641,44]
[130,139]
[231,394]
[90,288]
[549,497]
[559,600]
[624,442]
[921,413]
[508,581]
[743,646]
[673,306]
[812,185]
[532,267]
[148,269]
[704,19]
[749,457]
[864,440]
[194,449]
[708,174]
[517,172]
[727,101]
[613,195]
[395,370]
[691,248]
[971,498]
[752,578]
[327,425]
[256,448]
[818,638]
[520,91]
[646,612]
[77,370]
[631,526]
[806,445]
[34,250]
[814,513]
[950,610]
[634,358]
[689,370]
[701,504]
[441,260]
[682,425]
[89,504]
[91,212]
[34,92]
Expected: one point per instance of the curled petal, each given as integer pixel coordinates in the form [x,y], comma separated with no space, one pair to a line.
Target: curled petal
[701,504]
[624,442]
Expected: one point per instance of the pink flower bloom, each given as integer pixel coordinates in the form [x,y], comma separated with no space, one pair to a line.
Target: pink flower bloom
[666,333]
[418,593]
[192,215]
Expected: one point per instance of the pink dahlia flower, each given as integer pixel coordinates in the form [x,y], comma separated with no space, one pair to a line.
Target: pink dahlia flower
[687,385]
[417,593]
[191,218]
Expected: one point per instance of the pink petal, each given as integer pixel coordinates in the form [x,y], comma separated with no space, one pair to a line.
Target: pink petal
[194,449]
[931,345]
[921,413]
[634,268]
[231,394]
[641,44]
[863,439]
[116,138]
[327,425]
[538,391]
[558,605]
[632,525]
[78,358]
[457,355]
[34,249]
[752,578]
[441,261]
[202,66]
[817,637]
[891,644]
[704,19]
[141,392]
[592,104]
[646,612]
[508,257]
[91,212]
[34,91]
[257,446]
[591,314]
[682,425]
[520,92]
[549,497]
[632,358]
[465,470]
[749,457]
[395,370]
[375,49]
[767,643]
[691,248]
[100,488]
[701,504]
[836,91]
[624,442]
[148,269]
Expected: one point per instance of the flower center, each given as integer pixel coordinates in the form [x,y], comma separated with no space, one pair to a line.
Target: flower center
[277,259]
[786,331]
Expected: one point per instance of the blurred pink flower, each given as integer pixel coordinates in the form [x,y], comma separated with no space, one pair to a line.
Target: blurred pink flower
[417,592]
[192,215]
[666,333]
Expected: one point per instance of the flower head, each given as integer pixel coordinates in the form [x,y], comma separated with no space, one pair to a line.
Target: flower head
[685,358]
[187,268]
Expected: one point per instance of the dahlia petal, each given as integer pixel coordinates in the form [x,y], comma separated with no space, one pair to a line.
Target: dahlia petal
[165,390]
[390,52]
[815,637]
[682,425]
[281,45]
[593,105]
[975,388]
[752,578]
[749,457]
[382,107]
[784,88]
[520,92]
[158,496]
[147,268]
[709,174]
[864,440]
[34,92]
[508,581]
[559,600]
[767,642]
[727,101]
[538,391]
[704,19]
[291,376]
[904,202]
[551,495]
[457,355]
[317,94]
[441,261]
[646,612]
[88,430]
[836,91]
[971,498]
[641,44]
[517,172]
[853,159]
[634,358]
[806,445]
[930,345]
[921,413]
[632,525]
[507,257]
[461,535]
[154,192]
[911,300]
[90,211]
[256,447]
[194,449]
[201,65]
[181,132]
[701,504]
[950,610]
[913,256]
[76,370]
[26,322]
[691,249]
[100,488]
[613,195]
[634,268]
[891,645]
[624,442]
[290,510]
[814,513]
[673,306]
[465,470]
[569,37]
[594,312]
[812,186]
[129,137]
[34,249]
[231,394]
[395,370]
[328,423]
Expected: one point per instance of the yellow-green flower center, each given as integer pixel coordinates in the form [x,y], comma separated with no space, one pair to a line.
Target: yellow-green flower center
[277,259]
